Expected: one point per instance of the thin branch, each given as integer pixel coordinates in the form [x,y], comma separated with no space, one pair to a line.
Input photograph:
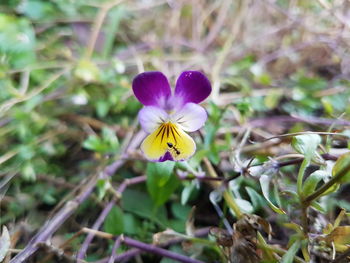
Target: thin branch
[10,103]
[157,250]
[114,249]
[105,212]
[293,119]
[68,209]
[305,133]
[96,226]
[122,257]
[145,247]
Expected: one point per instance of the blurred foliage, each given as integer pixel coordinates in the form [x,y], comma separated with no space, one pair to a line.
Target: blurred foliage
[67,111]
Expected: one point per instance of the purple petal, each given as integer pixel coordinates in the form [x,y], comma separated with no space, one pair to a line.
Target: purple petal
[166,157]
[151,118]
[190,118]
[151,88]
[192,86]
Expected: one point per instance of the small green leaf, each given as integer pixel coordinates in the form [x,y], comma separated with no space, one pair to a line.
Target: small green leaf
[289,256]
[94,143]
[306,144]
[102,186]
[161,182]
[318,207]
[312,181]
[244,205]
[265,185]
[109,136]
[257,200]
[342,163]
[114,223]
[28,172]
[87,71]
[102,108]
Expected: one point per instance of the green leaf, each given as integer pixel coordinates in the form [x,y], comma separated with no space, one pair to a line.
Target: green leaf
[161,182]
[312,181]
[342,163]
[144,208]
[161,171]
[109,136]
[94,143]
[257,200]
[289,256]
[17,40]
[102,186]
[28,172]
[244,205]
[187,191]
[265,185]
[180,211]
[114,223]
[131,225]
[318,207]
[102,108]
[306,144]
[35,9]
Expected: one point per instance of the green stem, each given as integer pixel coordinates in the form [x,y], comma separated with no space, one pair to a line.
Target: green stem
[301,173]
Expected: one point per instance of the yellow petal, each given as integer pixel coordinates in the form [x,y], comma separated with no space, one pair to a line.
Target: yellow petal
[168,138]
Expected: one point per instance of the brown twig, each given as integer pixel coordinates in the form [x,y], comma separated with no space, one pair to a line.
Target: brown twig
[68,209]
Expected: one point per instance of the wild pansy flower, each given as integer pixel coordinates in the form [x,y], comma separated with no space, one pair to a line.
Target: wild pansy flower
[167,117]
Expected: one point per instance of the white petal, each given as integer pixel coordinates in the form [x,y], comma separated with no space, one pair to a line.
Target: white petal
[190,118]
[151,118]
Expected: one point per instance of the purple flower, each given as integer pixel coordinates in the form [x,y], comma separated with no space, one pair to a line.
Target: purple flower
[167,117]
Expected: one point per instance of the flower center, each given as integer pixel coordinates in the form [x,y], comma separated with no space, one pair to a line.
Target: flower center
[168,135]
